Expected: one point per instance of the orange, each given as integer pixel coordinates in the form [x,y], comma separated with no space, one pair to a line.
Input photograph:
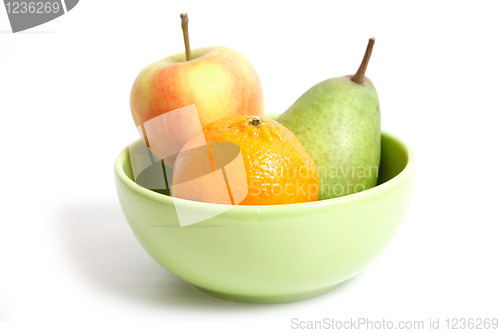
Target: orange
[269,166]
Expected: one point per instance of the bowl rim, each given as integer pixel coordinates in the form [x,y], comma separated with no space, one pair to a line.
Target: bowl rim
[197,206]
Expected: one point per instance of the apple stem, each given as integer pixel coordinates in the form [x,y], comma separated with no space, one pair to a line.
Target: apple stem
[185,20]
[359,77]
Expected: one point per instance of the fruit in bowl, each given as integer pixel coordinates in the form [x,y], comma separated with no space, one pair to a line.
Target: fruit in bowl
[271,253]
[338,122]
[275,168]
[205,84]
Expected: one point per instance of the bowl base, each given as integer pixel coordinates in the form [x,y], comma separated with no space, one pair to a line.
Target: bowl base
[267,299]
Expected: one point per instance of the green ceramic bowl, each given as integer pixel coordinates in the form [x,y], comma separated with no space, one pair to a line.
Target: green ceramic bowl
[272,254]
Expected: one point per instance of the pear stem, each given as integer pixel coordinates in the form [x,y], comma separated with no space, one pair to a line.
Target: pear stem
[185,20]
[359,77]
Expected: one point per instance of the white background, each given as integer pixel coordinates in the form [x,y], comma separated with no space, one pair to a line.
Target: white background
[66,251]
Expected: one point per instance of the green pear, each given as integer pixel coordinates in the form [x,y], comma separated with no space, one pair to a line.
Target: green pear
[338,122]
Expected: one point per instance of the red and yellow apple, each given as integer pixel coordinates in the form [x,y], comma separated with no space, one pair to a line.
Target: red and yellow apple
[216,81]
